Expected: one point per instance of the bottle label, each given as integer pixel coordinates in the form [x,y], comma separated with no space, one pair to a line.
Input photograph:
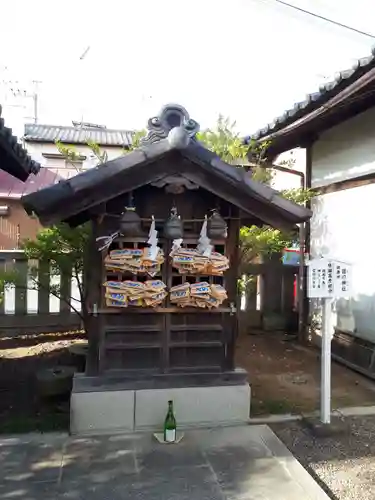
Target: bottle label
[170,435]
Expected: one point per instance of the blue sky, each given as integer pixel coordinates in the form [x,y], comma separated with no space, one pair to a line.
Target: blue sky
[247,59]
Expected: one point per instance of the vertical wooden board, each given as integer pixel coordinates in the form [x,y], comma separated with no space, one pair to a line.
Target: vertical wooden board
[231,250]
[21,265]
[166,333]
[251,294]
[166,336]
[271,300]
[93,282]
[65,291]
[2,295]
[231,276]
[287,301]
[44,287]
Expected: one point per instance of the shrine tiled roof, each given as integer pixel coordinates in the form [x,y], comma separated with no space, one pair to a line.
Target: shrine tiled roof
[170,148]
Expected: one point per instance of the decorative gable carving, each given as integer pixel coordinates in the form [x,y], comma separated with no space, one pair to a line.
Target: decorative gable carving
[171,116]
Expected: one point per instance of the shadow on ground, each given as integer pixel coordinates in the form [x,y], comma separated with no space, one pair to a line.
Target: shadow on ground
[242,463]
[22,409]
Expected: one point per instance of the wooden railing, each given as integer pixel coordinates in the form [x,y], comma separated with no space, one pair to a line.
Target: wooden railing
[27,311]
[24,310]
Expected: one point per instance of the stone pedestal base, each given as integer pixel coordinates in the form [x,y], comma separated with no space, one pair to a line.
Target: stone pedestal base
[338,426]
[105,409]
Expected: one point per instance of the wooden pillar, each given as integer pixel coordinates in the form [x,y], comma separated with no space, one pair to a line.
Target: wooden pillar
[92,285]
[231,279]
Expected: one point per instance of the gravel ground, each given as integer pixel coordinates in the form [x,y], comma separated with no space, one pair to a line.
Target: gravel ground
[344,465]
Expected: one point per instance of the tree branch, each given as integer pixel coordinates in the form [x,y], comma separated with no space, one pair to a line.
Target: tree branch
[60,297]
[79,283]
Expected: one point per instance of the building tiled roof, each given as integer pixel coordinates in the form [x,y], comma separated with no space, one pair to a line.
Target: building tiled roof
[77,135]
[317,99]
[12,188]
[13,157]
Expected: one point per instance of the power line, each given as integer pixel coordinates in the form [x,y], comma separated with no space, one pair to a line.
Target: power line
[318,16]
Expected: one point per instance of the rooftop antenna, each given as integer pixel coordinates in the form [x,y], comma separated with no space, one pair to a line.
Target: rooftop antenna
[82,57]
[84,54]
[17,91]
[35,99]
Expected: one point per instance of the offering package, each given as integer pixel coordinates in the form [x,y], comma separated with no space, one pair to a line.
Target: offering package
[134,260]
[134,293]
[201,295]
[190,261]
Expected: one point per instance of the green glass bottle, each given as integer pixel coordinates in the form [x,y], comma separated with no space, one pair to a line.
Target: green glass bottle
[170,425]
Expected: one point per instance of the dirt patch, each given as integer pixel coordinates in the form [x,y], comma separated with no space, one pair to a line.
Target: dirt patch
[285,377]
[21,408]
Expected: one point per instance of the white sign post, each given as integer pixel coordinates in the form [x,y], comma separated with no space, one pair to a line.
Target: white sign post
[328,279]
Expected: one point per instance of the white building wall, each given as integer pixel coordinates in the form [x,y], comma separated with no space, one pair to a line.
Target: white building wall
[342,224]
[37,149]
[345,151]
[285,180]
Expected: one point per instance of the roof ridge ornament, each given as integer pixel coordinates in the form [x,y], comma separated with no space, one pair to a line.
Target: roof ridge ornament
[170,117]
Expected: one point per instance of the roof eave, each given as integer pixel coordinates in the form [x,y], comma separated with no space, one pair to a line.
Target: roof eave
[16,161]
[352,101]
[344,81]
[58,196]
[230,183]
[63,141]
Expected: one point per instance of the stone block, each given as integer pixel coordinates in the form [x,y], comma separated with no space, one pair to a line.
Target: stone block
[194,406]
[102,412]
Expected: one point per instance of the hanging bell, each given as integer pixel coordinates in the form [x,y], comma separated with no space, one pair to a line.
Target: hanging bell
[216,226]
[130,223]
[173,227]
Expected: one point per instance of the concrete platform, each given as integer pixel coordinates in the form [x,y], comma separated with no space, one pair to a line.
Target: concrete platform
[108,409]
[237,463]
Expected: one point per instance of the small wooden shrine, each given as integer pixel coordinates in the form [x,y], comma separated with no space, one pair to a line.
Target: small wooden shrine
[163,263]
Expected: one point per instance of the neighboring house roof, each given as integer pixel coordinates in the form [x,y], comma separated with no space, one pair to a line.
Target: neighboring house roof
[352,84]
[13,157]
[14,189]
[171,136]
[77,135]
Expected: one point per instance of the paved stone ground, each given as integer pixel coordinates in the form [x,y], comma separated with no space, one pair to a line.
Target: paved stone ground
[238,463]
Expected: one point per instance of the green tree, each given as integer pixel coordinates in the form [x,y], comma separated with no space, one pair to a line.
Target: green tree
[226,143]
